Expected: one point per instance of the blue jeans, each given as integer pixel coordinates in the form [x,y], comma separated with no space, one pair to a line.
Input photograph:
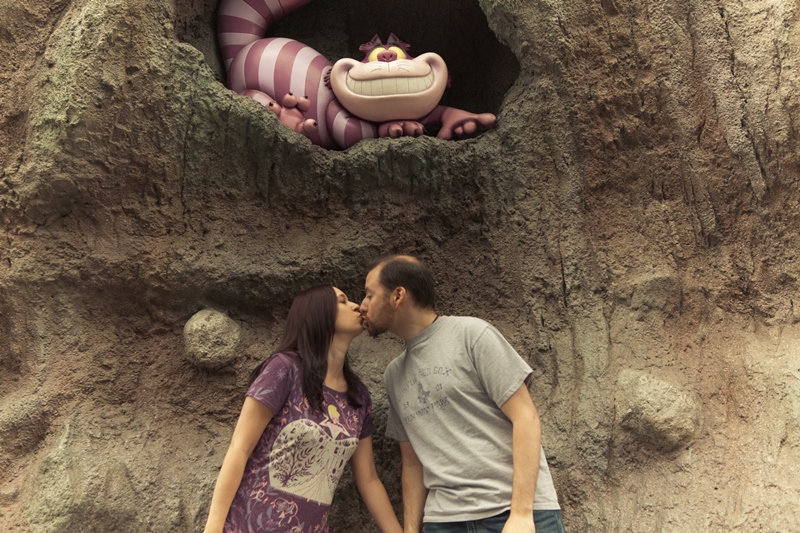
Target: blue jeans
[545,522]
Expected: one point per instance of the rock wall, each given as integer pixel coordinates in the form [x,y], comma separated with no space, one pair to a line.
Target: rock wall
[631,225]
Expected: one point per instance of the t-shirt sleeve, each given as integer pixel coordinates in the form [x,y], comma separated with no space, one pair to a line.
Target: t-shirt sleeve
[394,429]
[274,383]
[368,428]
[500,368]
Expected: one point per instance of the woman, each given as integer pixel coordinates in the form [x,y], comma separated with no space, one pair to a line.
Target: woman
[305,415]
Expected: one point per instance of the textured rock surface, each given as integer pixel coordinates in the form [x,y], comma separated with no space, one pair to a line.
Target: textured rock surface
[635,208]
[656,411]
[211,339]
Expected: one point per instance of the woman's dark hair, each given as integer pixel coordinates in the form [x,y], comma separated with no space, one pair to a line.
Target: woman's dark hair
[410,273]
[308,334]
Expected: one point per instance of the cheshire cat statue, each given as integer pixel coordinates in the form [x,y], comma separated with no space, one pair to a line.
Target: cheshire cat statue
[388,94]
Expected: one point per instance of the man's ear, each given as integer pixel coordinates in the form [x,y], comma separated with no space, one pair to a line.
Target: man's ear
[399,296]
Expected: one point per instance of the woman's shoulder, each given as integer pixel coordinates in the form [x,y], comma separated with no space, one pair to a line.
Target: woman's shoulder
[285,359]
[279,374]
[280,362]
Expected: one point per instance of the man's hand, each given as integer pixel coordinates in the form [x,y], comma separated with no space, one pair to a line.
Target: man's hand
[414,491]
[526,447]
[519,524]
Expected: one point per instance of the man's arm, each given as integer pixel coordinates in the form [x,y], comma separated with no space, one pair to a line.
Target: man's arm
[414,491]
[526,446]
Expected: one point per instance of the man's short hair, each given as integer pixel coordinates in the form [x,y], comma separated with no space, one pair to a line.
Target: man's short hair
[410,273]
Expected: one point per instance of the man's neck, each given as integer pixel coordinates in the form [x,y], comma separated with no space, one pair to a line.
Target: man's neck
[415,323]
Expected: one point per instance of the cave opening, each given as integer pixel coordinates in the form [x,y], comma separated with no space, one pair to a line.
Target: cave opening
[481,68]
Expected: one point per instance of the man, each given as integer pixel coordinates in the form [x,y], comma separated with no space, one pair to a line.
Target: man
[459,406]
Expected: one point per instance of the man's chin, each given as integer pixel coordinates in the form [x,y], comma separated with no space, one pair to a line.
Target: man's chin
[374,332]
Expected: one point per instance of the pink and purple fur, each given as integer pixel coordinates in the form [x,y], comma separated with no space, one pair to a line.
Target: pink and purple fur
[293,80]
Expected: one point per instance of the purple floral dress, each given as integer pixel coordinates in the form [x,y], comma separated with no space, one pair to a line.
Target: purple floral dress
[290,478]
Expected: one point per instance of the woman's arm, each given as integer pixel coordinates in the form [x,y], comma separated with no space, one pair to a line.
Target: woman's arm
[414,491]
[252,421]
[371,489]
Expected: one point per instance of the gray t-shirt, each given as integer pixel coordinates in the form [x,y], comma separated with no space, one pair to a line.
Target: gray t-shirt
[445,391]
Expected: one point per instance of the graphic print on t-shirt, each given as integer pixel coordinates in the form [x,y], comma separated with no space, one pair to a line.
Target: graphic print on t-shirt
[307,459]
[425,392]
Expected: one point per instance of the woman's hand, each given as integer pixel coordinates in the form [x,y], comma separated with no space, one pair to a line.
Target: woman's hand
[371,489]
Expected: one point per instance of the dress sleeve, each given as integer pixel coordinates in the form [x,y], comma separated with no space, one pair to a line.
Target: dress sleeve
[500,368]
[274,383]
[368,428]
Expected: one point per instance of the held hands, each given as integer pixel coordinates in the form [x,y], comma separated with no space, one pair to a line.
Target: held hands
[519,524]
